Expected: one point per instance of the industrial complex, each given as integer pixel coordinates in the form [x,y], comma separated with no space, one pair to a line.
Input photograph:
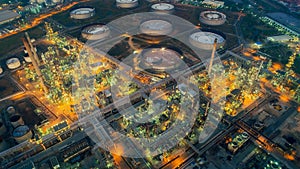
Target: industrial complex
[146,84]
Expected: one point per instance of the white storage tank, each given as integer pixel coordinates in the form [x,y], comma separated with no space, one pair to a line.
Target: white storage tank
[11,110]
[156,27]
[163,8]
[160,59]
[127,3]
[82,13]
[213,18]
[205,40]
[27,58]
[13,63]
[95,32]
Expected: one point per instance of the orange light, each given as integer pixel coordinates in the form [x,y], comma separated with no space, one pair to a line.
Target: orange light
[284,98]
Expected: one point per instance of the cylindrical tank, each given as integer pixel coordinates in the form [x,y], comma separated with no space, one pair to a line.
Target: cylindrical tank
[274,165]
[233,146]
[22,133]
[258,125]
[95,32]
[245,135]
[239,139]
[205,40]
[163,8]
[127,3]
[1,70]
[82,13]
[213,18]
[156,27]
[2,129]
[11,110]
[160,59]
[16,120]
[27,58]
[13,63]
[56,1]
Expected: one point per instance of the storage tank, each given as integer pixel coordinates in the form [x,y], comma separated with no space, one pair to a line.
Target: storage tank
[95,32]
[160,59]
[1,70]
[11,110]
[127,3]
[213,18]
[258,125]
[27,58]
[245,135]
[205,40]
[22,133]
[156,27]
[82,13]
[16,120]
[56,1]
[233,146]
[13,63]
[163,8]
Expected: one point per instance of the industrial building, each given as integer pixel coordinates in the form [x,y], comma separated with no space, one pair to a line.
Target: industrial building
[7,16]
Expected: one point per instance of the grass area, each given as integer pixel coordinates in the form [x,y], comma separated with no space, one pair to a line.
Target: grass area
[255,30]
[280,53]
